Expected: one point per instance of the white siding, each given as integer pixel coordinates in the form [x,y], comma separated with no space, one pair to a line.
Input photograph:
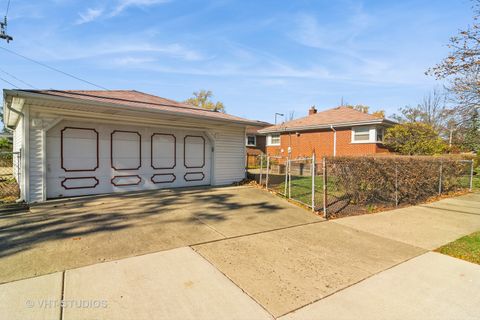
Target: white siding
[36,165]
[36,158]
[229,156]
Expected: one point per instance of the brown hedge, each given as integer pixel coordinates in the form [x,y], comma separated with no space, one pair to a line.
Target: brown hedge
[394,180]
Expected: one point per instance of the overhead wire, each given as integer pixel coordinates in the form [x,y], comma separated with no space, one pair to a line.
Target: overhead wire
[13,85]
[8,8]
[18,79]
[53,68]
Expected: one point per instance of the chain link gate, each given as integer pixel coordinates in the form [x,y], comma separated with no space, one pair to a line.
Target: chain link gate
[10,173]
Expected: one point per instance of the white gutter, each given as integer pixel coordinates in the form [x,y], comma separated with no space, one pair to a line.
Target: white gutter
[120,107]
[327,126]
[6,116]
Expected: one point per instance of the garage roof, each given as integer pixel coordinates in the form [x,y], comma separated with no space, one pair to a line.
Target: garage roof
[132,98]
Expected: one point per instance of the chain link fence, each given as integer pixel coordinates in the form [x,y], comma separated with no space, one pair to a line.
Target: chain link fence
[343,186]
[9,177]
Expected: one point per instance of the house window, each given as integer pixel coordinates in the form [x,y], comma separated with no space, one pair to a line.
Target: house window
[251,141]
[273,139]
[380,134]
[361,134]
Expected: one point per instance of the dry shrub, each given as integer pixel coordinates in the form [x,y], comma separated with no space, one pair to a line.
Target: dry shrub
[393,180]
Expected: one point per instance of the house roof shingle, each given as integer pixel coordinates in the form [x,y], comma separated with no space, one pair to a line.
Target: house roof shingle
[133,98]
[334,116]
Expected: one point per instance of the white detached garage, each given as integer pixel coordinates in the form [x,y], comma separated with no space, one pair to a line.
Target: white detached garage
[76,143]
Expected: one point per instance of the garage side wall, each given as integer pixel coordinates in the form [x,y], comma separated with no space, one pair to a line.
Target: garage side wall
[36,159]
[229,156]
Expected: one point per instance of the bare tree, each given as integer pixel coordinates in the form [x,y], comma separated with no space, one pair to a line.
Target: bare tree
[461,68]
[433,110]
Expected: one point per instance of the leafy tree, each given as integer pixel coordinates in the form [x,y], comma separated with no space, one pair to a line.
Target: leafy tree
[414,138]
[471,141]
[5,144]
[379,114]
[365,109]
[359,107]
[202,100]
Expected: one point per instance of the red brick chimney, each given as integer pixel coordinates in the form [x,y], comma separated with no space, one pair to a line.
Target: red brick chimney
[312,110]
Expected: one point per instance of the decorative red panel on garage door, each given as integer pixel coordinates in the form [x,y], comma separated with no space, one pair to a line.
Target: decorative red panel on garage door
[194,151]
[163,151]
[126,150]
[79,149]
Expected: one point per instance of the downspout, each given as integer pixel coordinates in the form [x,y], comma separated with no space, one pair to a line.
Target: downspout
[334,140]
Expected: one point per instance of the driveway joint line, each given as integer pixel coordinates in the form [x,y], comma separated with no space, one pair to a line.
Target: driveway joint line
[212,228]
[256,233]
[62,294]
[355,283]
[233,282]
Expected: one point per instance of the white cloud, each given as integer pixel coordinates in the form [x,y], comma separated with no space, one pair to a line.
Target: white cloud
[123,5]
[89,15]
[131,49]
[120,6]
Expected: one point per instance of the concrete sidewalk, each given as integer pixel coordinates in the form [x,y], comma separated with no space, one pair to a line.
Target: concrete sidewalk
[427,226]
[430,287]
[175,284]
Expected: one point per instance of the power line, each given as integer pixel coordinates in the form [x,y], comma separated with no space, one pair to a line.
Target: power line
[9,83]
[18,79]
[8,8]
[52,68]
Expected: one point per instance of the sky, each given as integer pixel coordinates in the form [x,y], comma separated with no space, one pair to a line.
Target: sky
[258,57]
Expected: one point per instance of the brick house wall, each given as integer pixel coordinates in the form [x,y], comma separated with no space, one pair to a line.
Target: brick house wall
[261,142]
[321,142]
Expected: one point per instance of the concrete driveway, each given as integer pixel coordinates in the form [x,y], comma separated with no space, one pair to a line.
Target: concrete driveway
[63,235]
[280,262]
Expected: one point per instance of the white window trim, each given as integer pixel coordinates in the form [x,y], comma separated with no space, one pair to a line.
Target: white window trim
[269,140]
[254,138]
[372,133]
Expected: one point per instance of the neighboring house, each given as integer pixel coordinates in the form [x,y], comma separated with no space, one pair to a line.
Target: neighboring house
[255,141]
[339,131]
[92,142]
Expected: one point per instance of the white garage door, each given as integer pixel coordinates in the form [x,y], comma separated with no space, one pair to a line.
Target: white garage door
[89,158]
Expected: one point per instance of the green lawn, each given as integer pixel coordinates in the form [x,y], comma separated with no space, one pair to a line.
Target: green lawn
[301,189]
[466,248]
[476,180]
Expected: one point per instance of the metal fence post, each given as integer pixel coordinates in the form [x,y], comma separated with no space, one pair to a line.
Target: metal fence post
[261,168]
[471,176]
[290,181]
[324,169]
[396,184]
[268,169]
[287,169]
[440,179]
[313,181]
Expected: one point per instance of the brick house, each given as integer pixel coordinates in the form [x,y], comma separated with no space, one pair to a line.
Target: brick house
[256,142]
[340,131]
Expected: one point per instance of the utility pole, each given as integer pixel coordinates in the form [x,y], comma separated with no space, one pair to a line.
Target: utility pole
[3,26]
[278,114]
[3,31]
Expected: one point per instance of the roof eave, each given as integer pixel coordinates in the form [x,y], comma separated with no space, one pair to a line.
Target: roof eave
[25,94]
[328,126]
